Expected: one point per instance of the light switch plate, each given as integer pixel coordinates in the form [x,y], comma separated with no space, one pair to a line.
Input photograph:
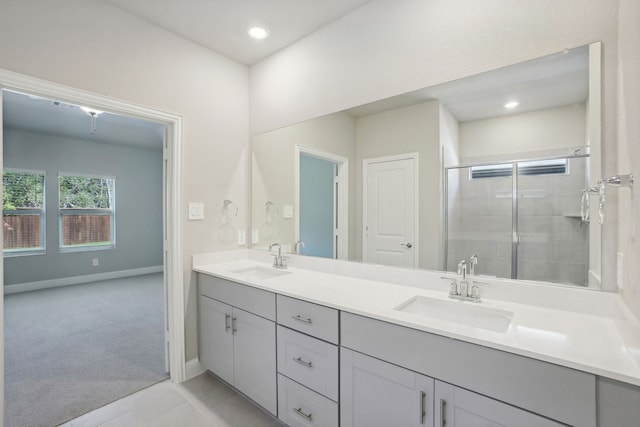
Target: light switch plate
[196,211]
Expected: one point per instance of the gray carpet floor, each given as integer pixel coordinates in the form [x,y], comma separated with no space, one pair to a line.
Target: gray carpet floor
[73,349]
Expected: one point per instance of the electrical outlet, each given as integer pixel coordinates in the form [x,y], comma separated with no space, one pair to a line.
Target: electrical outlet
[96,262]
[242,237]
[255,238]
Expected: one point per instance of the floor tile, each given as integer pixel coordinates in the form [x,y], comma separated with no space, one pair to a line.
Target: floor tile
[126,420]
[207,390]
[102,415]
[154,401]
[186,415]
[240,412]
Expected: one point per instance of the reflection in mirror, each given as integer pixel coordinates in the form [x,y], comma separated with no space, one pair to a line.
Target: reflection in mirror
[430,178]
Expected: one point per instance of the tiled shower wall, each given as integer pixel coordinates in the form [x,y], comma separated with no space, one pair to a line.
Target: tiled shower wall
[553,238]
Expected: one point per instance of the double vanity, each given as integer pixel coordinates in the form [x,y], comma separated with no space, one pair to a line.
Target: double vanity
[328,343]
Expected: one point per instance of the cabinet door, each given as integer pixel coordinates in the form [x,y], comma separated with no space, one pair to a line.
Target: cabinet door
[374,393]
[254,350]
[216,338]
[457,407]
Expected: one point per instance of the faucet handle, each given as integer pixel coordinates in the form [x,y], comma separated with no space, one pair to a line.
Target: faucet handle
[453,286]
[475,290]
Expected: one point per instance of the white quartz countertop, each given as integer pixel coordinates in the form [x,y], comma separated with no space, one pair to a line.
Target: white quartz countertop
[581,329]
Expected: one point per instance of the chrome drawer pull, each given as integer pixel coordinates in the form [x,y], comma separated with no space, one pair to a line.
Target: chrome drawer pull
[302,319]
[226,322]
[443,419]
[233,325]
[300,412]
[303,362]
[423,410]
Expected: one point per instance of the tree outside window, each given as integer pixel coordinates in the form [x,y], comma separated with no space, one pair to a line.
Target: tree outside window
[87,213]
[23,212]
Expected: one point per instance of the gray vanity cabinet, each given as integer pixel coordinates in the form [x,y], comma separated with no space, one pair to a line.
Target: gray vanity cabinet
[525,385]
[374,393]
[457,407]
[238,337]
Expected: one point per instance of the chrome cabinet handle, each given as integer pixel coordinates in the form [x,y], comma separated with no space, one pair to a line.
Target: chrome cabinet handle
[226,322]
[233,325]
[423,409]
[406,245]
[300,412]
[443,407]
[303,362]
[302,319]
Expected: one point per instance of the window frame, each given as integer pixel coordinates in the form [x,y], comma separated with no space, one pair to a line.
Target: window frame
[525,168]
[62,212]
[8,253]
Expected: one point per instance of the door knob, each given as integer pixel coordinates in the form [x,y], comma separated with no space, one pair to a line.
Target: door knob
[407,245]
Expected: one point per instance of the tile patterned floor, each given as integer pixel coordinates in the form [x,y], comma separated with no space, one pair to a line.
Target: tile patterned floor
[203,401]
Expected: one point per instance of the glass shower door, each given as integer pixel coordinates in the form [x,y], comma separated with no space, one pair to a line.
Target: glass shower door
[554,241]
[480,218]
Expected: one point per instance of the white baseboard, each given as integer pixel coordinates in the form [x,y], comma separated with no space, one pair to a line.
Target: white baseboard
[76,280]
[194,368]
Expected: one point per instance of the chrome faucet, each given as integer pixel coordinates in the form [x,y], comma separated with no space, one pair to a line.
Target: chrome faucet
[279,261]
[461,290]
[296,247]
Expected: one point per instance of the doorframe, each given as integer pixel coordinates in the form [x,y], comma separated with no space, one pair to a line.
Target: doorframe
[416,195]
[342,178]
[172,193]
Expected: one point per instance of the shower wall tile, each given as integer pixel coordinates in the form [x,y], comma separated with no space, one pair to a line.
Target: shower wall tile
[570,251]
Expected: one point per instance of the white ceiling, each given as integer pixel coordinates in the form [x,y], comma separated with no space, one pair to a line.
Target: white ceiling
[221,25]
[554,80]
[51,117]
[547,82]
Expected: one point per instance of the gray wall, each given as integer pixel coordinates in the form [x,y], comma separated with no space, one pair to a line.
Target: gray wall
[138,204]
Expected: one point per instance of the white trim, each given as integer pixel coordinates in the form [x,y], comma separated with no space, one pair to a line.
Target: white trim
[194,368]
[342,163]
[173,187]
[76,280]
[416,218]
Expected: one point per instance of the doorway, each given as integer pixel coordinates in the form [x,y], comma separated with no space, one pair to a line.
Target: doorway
[322,203]
[171,200]
[390,210]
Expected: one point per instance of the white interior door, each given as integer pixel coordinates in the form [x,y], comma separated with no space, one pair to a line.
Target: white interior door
[390,211]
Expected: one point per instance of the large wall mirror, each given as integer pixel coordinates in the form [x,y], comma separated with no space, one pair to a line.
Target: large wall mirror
[496,165]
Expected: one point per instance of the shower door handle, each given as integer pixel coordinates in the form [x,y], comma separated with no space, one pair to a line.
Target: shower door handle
[516,239]
[406,245]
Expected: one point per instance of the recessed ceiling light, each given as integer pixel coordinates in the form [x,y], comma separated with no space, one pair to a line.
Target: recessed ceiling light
[258,33]
[512,104]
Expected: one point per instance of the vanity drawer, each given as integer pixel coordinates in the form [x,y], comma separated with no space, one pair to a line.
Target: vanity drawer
[250,299]
[300,407]
[309,361]
[312,319]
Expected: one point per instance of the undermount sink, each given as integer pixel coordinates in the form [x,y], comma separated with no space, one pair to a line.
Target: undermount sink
[259,273]
[459,312]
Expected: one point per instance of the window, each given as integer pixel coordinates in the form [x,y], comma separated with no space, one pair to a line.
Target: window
[87,213]
[23,212]
[537,167]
